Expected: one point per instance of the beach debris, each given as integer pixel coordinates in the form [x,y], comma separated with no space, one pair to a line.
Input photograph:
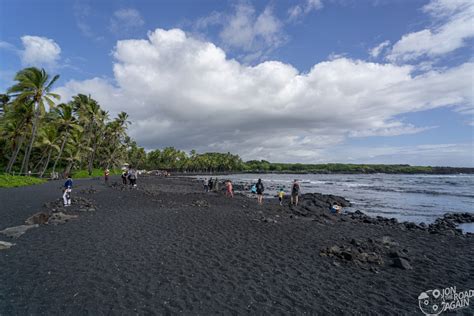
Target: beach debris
[60,218]
[17,231]
[200,203]
[38,218]
[6,245]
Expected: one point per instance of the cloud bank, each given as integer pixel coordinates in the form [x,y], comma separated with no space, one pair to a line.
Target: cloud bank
[184,92]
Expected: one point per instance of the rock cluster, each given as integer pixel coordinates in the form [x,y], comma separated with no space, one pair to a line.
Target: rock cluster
[446,225]
[370,254]
[77,204]
[17,231]
[317,205]
[200,203]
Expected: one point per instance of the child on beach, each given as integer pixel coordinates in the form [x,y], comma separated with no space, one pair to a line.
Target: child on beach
[281,194]
[67,191]
[336,208]
[253,189]
[229,189]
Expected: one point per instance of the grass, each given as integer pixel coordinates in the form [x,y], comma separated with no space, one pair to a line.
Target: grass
[95,173]
[9,181]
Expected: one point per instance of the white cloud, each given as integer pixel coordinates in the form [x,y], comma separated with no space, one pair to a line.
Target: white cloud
[39,51]
[125,21]
[185,92]
[299,10]
[375,51]
[453,26]
[251,34]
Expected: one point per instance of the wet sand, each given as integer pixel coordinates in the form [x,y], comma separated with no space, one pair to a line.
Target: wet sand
[169,248]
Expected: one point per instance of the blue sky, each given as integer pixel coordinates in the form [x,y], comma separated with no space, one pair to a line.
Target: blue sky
[370,81]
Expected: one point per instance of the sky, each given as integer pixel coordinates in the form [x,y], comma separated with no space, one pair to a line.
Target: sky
[310,81]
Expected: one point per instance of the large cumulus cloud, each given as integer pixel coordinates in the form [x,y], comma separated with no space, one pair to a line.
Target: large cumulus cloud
[185,92]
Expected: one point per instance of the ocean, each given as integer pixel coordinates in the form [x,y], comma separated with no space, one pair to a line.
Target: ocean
[415,198]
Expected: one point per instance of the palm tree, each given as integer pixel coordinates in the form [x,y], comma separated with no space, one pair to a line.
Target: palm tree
[33,85]
[15,125]
[67,122]
[47,138]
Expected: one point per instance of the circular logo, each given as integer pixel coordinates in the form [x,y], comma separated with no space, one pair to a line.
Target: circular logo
[431,303]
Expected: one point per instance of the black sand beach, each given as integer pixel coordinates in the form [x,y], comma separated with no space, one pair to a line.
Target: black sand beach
[169,248]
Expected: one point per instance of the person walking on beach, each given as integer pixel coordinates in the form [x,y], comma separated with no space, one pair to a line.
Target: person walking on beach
[229,189]
[260,189]
[216,185]
[124,177]
[67,191]
[132,176]
[295,191]
[205,185]
[209,184]
[106,176]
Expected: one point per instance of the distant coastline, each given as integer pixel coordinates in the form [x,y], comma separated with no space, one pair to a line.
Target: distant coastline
[285,168]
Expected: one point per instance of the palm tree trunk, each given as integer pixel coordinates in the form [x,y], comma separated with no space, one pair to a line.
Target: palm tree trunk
[40,162]
[26,161]
[47,163]
[12,160]
[60,151]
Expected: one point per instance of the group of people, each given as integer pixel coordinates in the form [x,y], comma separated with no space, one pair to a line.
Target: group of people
[129,176]
[213,185]
[258,189]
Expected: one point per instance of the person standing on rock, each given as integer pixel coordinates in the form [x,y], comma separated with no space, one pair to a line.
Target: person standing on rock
[260,189]
[295,191]
[67,191]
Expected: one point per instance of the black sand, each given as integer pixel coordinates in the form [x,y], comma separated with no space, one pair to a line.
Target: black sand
[161,250]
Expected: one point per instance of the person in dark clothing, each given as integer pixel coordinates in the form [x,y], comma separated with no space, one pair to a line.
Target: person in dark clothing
[260,189]
[295,192]
[210,183]
[124,177]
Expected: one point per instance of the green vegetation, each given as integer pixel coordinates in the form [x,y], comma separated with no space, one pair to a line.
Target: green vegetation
[79,174]
[61,138]
[9,181]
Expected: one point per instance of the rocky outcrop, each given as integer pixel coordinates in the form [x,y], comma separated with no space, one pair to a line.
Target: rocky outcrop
[6,245]
[370,253]
[17,231]
[60,218]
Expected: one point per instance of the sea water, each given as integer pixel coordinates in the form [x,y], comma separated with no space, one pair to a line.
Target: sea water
[415,198]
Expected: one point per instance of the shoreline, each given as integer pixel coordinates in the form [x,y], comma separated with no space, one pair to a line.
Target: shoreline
[167,247]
